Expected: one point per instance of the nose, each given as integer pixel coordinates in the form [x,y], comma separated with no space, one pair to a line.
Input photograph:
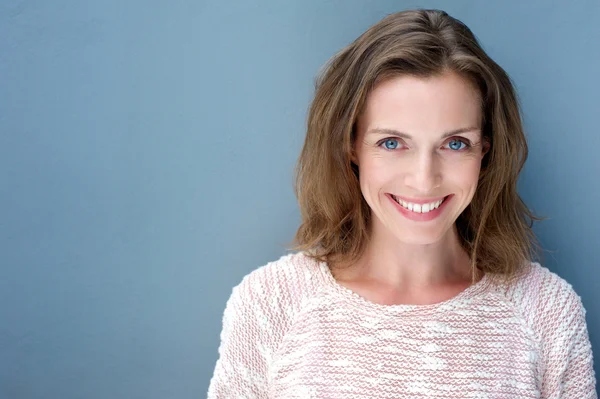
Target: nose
[424,173]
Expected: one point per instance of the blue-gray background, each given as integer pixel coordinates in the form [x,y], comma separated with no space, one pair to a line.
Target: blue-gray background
[146,158]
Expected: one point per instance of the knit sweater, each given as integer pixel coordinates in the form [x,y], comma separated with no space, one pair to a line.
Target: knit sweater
[290,330]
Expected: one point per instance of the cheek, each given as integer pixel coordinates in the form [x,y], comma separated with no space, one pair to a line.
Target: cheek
[373,174]
[464,174]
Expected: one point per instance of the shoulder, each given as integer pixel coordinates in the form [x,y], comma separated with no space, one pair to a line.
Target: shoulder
[557,318]
[539,285]
[547,301]
[281,285]
[258,314]
[295,270]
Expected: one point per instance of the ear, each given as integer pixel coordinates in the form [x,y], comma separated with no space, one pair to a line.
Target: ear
[353,157]
[354,143]
[485,146]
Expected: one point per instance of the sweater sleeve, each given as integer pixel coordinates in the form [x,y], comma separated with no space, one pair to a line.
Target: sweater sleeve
[241,369]
[568,369]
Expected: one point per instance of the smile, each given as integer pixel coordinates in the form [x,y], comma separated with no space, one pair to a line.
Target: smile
[419,208]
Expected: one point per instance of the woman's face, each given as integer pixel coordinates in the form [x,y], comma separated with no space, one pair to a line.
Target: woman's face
[419,143]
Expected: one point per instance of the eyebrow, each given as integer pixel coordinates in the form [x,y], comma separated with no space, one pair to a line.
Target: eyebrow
[409,137]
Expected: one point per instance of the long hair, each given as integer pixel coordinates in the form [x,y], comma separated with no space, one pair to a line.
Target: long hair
[496,228]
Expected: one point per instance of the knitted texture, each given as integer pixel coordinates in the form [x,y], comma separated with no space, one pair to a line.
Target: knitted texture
[291,331]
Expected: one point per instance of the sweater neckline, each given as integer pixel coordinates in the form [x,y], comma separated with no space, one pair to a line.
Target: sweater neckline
[353,297]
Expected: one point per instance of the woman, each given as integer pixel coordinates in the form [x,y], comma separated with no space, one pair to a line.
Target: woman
[414,276]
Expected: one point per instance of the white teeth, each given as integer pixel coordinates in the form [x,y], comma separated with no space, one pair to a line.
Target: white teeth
[419,208]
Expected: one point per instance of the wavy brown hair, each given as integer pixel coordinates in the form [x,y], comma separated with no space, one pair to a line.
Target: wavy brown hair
[496,228]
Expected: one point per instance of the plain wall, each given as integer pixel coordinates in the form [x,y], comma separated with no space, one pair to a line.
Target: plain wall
[146,162]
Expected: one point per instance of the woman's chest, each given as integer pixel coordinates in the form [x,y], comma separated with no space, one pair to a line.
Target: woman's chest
[350,354]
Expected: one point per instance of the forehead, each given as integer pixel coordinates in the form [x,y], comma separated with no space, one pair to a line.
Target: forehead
[422,105]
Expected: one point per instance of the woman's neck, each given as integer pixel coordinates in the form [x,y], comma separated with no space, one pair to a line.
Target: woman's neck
[411,267]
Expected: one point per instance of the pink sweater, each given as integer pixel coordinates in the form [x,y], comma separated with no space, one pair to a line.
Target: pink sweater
[291,331]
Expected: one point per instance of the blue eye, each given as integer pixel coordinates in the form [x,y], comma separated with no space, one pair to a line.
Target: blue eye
[455,144]
[390,144]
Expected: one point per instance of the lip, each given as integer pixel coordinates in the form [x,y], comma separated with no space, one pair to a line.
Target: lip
[421,217]
[420,201]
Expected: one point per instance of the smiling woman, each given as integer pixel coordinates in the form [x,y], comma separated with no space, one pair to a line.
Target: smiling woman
[415,274]
[403,176]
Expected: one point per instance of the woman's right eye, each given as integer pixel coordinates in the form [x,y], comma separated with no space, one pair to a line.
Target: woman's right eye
[390,144]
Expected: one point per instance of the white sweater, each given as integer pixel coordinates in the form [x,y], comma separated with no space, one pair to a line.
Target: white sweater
[291,331]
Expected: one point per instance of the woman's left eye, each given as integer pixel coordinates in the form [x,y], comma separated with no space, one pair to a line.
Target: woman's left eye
[455,144]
